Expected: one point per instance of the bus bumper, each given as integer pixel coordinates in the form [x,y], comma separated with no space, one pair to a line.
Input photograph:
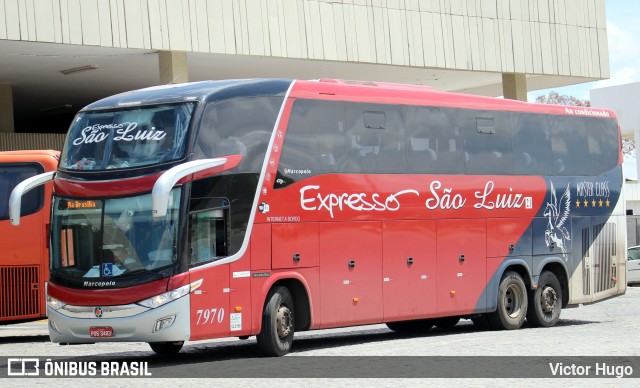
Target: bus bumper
[141,327]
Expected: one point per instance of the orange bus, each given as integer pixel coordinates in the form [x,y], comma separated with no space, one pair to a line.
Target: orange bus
[24,252]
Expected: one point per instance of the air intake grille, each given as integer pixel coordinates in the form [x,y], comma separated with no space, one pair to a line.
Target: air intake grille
[586,242]
[604,248]
[19,293]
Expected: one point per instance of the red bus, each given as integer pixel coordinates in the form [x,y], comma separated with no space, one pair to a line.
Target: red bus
[270,206]
[24,257]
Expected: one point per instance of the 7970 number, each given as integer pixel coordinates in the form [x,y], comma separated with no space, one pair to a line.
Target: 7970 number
[210,316]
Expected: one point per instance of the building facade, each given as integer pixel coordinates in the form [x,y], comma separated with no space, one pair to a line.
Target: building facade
[58,55]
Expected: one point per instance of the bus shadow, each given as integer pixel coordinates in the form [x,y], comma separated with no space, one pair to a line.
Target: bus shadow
[24,339]
[229,351]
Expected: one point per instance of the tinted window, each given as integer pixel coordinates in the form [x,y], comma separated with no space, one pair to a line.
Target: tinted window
[229,198]
[336,137]
[603,144]
[315,142]
[127,138]
[569,145]
[371,138]
[10,176]
[433,142]
[375,135]
[531,146]
[208,229]
[487,142]
[238,126]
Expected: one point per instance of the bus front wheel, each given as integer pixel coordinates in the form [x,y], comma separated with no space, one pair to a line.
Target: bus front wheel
[545,301]
[166,347]
[512,303]
[276,336]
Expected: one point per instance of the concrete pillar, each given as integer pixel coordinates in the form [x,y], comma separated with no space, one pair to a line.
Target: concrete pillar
[514,86]
[173,67]
[6,108]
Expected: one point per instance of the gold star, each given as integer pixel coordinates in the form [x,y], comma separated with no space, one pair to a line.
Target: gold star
[586,203]
[607,202]
[593,202]
[600,202]
[577,203]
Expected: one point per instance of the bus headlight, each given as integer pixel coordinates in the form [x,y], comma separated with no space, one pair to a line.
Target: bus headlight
[54,303]
[162,299]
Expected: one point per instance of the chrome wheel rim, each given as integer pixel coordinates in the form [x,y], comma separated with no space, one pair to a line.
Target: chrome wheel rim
[513,300]
[548,299]
[284,321]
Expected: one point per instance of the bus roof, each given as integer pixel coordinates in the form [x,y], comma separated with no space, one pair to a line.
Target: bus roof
[390,93]
[47,158]
[53,153]
[192,91]
[334,89]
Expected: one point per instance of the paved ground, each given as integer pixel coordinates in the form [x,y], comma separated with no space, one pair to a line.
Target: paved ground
[609,328]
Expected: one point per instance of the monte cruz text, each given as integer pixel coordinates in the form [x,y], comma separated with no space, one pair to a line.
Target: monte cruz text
[436,197]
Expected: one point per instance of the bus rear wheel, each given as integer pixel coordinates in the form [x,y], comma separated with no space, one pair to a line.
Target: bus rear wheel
[276,336]
[415,326]
[512,303]
[166,347]
[545,301]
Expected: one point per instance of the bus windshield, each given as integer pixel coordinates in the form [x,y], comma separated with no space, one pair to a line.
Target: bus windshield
[127,138]
[113,237]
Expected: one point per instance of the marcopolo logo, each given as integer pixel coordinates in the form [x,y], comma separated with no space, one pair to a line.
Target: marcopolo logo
[292,171]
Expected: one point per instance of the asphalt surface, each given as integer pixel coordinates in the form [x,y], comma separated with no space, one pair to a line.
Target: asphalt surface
[603,330]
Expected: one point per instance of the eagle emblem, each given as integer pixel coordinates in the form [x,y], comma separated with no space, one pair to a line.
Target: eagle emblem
[557,213]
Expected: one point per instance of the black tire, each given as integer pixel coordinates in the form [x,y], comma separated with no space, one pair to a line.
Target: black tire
[512,303]
[545,302]
[278,324]
[446,322]
[166,347]
[415,326]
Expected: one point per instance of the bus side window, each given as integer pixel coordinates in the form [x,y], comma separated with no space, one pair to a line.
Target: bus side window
[487,143]
[532,152]
[433,143]
[314,143]
[568,145]
[207,235]
[376,134]
[239,126]
[10,176]
[602,141]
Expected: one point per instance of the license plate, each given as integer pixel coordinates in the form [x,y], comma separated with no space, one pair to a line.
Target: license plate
[100,332]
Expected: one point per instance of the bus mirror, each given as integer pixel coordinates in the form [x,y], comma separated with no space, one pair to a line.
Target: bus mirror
[15,200]
[166,181]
